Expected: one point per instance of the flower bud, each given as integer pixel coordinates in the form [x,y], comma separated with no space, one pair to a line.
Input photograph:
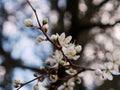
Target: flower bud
[98,72]
[78,80]
[45,21]
[40,39]
[53,78]
[54,37]
[35,74]
[47,62]
[78,48]
[41,79]
[72,84]
[71,70]
[16,82]
[45,28]
[46,85]
[36,87]
[62,62]
[28,22]
[42,68]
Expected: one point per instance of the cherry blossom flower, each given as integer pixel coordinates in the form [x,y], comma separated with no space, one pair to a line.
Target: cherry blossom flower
[63,40]
[56,59]
[70,52]
[107,71]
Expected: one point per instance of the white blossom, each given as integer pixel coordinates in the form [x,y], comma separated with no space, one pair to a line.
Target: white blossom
[71,71]
[56,58]
[63,40]
[69,85]
[70,52]
[107,71]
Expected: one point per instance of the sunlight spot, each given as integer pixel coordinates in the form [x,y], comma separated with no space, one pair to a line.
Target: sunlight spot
[89,52]
[54,17]
[82,7]
[9,29]
[105,18]
[97,2]
[62,4]
[108,6]
[2,71]
[67,20]
[9,6]
[99,38]
[88,80]
[116,33]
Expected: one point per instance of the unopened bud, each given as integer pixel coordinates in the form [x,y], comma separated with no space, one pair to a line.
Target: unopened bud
[16,82]
[45,28]
[78,48]
[42,68]
[45,21]
[35,74]
[62,62]
[72,84]
[28,22]
[54,37]
[40,39]
[71,70]
[53,78]
[78,80]
[36,87]
[46,85]
[47,62]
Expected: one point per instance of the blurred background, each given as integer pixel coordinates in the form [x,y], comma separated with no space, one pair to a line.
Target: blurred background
[95,24]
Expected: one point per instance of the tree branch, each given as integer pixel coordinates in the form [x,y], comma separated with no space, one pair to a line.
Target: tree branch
[35,13]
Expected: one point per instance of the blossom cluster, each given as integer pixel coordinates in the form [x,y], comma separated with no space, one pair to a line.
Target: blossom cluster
[110,67]
[69,50]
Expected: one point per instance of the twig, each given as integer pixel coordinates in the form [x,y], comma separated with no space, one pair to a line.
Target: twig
[34,13]
[23,84]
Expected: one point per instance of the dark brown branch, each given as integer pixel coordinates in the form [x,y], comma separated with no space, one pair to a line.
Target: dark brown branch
[23,84]
[34,13]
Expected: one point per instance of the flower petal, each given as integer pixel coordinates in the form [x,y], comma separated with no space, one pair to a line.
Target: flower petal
[110,77]
[68,39]
[62,37]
